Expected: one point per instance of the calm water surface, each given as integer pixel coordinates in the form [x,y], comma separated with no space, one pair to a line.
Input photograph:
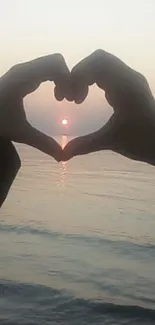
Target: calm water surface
[77,242]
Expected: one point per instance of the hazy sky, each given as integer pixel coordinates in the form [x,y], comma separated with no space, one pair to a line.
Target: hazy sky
[32,28]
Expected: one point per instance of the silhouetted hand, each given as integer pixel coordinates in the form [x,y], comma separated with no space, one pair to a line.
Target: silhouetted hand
[19,81]
[131,129]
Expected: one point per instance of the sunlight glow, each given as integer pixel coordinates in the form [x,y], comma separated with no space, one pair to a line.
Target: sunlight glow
[64,121]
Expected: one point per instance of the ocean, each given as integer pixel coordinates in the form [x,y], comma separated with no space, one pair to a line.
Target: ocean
[77,242]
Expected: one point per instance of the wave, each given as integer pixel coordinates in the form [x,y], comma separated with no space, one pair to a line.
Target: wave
[25,302]
[95,239]
[28,230]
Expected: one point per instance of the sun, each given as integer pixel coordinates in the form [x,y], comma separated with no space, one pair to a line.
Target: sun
[64,121]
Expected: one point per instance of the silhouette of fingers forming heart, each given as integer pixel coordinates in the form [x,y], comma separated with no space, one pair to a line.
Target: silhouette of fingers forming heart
[131,129]
[22,80]
[19,81]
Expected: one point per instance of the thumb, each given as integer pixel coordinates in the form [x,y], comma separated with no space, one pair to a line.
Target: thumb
[37,139]
[100,140]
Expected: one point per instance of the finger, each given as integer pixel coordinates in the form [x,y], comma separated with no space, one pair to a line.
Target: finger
[80,146]
[80,91]
[58,93]
[54,68]
[103,139]
[26,77]
[9,166]
[102,68]
[40,141]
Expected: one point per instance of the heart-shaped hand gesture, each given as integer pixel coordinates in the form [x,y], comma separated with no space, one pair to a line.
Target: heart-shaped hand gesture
[131,129]
[21,80]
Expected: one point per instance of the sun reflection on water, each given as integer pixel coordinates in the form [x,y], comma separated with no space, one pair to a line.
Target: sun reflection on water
[63,164]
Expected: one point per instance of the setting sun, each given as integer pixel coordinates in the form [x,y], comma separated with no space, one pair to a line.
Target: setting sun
[64,121]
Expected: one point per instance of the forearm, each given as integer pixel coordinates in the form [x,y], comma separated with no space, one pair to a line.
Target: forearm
[9,166]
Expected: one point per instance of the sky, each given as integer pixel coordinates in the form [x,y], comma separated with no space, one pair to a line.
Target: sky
[33,28]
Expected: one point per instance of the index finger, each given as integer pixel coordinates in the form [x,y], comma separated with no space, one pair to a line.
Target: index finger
[26,77]
[102,68]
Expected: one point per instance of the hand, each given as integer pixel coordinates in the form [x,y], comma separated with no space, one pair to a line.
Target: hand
[131,129]
[21,80]
[15,85]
